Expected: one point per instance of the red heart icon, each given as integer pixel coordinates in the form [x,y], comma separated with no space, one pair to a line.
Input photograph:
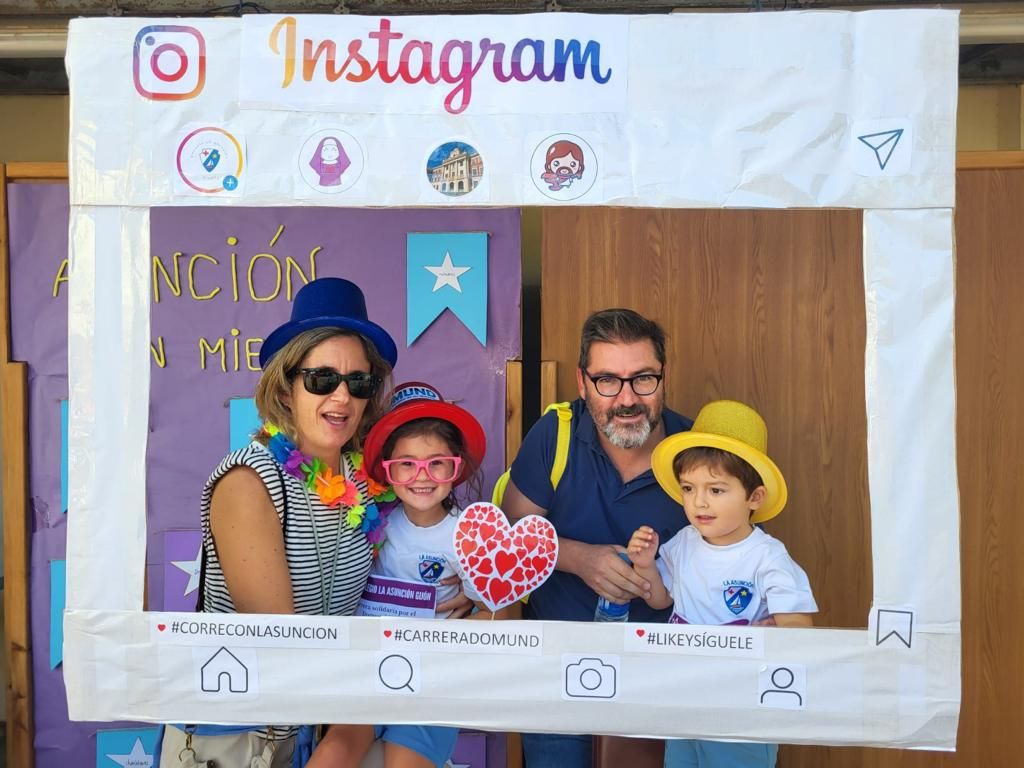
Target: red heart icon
[387,633]
[502,568]
[505,562]
[161,627]
[640,633]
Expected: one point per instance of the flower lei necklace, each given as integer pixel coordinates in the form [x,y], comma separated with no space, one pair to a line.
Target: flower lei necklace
[333,489]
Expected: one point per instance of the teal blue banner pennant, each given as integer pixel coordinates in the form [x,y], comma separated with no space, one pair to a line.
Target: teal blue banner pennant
[446,270]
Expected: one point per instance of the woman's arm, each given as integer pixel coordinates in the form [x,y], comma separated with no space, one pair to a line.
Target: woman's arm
[250,544]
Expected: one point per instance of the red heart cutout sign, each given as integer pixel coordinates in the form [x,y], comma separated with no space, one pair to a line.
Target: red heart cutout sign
[387,633]
[161,627]
[493,556]
[640,633]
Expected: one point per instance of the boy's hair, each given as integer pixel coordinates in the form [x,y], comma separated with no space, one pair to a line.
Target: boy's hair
[448,432]
[620,326]
[721,461]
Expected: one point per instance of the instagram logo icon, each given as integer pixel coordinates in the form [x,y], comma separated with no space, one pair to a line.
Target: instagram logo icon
[169,62]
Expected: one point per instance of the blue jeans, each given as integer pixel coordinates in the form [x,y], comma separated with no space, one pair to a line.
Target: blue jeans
[556,750]
[697,753]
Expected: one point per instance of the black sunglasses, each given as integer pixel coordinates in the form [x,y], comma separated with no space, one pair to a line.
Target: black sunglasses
[323,381]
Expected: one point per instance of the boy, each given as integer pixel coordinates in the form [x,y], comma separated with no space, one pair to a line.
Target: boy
[720,569]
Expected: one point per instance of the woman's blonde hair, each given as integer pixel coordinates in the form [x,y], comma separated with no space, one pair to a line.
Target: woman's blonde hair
[276,384]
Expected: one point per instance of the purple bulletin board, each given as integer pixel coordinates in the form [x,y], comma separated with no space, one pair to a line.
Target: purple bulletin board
[215,278]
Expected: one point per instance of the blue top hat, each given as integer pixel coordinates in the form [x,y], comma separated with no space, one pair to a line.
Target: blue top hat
[329,302]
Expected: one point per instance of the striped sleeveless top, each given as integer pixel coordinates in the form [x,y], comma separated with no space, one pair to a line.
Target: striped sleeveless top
[298,511]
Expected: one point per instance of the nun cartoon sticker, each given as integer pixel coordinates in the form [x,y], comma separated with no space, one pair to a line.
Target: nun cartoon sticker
[564,167]
[330,161]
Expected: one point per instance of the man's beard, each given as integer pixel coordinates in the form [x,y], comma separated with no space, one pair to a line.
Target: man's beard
[627,436]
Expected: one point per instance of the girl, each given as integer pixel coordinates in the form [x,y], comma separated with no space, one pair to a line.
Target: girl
[425,448]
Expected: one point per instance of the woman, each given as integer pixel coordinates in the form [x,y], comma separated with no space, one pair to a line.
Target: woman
[282,530]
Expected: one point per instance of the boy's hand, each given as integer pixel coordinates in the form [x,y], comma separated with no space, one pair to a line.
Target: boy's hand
[643,546]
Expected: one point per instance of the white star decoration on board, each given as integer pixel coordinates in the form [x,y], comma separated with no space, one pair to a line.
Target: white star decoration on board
[191,567]
[136,759]
[447,274]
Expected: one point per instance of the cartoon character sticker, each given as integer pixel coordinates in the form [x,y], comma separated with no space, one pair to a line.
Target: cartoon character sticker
[330,161]
[563,164]
[563,167]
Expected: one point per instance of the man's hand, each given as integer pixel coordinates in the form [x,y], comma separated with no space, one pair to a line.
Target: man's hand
[643,546]
[601,568]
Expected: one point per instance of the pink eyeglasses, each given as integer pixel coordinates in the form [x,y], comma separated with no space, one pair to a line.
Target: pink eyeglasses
[440,469]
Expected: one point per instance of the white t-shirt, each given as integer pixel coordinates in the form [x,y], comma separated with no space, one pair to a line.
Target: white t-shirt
[732,584]
[422,555]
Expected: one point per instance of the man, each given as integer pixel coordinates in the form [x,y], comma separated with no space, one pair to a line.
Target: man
[606,491]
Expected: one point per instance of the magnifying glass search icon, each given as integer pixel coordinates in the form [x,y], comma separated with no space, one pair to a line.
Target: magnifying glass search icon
[396,672]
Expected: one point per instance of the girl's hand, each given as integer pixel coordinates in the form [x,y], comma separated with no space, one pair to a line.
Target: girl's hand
[459,605]
[643,546]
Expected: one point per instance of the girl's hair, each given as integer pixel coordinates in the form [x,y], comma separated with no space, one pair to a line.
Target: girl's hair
[275,383]
[469,473]
[717,460]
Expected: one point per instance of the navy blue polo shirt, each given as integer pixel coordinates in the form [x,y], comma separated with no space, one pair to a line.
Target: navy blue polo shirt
[592,505]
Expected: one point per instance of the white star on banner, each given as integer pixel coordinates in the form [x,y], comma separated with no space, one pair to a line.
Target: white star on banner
[447,274]
[191,567]
[136,759]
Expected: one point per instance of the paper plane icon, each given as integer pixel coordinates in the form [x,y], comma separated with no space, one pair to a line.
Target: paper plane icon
[882,144]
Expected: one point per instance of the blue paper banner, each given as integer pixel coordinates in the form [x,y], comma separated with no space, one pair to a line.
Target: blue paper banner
[446,270]
[244,421]
[129,748]
[58,598]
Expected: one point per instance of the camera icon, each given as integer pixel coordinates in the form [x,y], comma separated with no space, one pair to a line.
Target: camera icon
[590,678]
[169,62]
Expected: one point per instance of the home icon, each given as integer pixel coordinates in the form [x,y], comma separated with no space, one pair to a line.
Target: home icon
[224,673]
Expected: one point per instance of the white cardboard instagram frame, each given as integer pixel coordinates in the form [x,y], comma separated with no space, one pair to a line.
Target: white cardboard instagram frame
[753,110]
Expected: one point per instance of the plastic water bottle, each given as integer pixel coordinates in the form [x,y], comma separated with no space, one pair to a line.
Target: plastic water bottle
[611,611]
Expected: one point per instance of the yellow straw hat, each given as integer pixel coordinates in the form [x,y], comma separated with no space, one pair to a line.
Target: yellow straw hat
[730,426]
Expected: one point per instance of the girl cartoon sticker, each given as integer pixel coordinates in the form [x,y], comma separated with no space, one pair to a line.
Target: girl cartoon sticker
[563,167]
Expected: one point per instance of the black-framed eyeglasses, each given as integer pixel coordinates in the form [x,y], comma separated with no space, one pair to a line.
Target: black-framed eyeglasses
[642,384]
[323,381]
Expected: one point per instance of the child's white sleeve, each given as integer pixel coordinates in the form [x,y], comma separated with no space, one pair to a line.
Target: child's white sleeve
[786,587]
[670,555]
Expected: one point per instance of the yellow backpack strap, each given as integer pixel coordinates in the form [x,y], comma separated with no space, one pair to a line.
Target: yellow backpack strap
[564,413]
[499,488]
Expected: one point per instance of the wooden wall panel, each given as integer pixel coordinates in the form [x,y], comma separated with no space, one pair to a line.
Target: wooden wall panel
[767,307]
[764,307]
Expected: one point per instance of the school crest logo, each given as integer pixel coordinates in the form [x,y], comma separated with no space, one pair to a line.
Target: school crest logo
[210,158]
[431,568]
[737,597]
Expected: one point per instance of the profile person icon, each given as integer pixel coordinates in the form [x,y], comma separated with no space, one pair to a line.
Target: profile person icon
[781,695]
[329,161]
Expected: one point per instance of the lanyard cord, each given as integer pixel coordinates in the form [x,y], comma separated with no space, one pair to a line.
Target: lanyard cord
[326,582]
